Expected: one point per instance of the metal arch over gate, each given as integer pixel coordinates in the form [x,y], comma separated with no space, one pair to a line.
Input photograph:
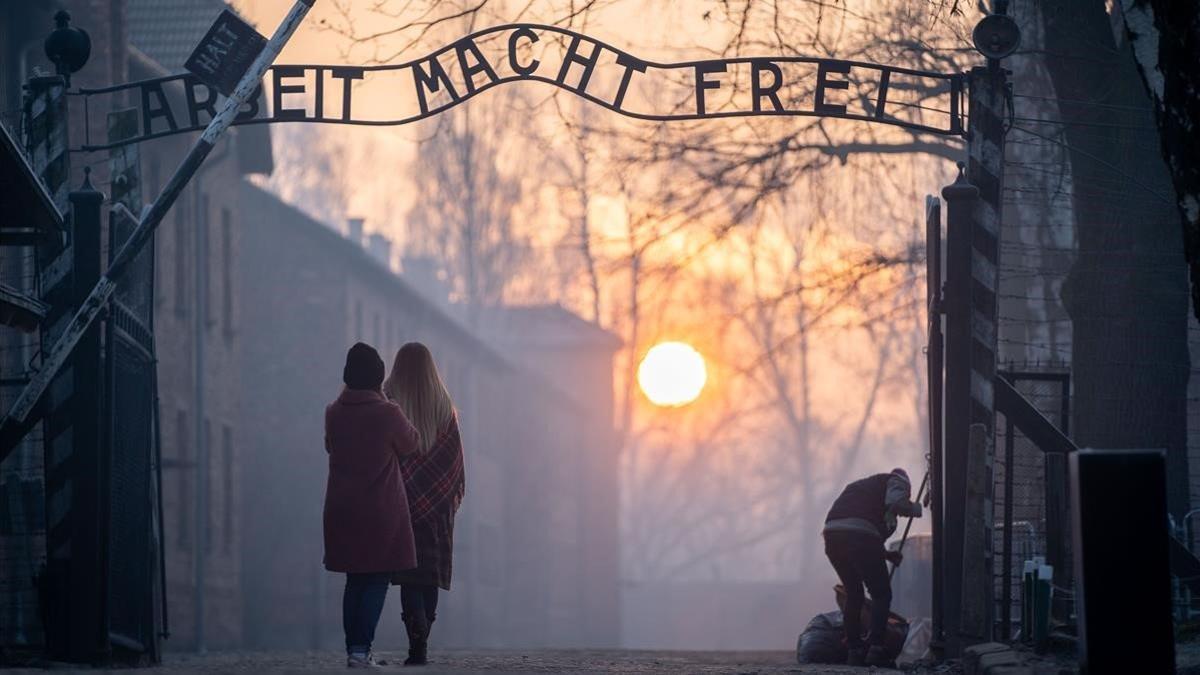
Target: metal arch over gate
[235,59]
[790,86]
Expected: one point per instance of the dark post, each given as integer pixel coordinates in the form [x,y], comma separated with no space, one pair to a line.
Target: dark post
[1057,526]
[936,361]
[1122,561]
[75,583]
[1006,575]
[972,277]
[956,303]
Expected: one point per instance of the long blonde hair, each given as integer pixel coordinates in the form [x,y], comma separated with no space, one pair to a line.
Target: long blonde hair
[414,384]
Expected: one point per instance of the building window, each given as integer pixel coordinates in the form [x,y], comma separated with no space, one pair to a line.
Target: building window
[181,254]
[227,489]
[183,524]
[204,263]
[208,486]
[227,271]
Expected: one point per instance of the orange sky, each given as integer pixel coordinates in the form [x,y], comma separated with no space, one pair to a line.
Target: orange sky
[847,202]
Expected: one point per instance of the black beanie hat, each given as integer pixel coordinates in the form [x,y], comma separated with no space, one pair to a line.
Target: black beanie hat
[364,368]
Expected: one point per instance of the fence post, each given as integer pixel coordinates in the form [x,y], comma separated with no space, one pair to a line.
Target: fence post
[935,356]
[960,197]
[75,584]
[1006,564]
[972,277]
[989,99]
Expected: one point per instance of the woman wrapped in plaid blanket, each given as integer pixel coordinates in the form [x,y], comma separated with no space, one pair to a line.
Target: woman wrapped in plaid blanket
[435,482]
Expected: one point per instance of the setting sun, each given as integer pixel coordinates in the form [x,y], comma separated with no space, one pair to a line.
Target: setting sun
[672,374]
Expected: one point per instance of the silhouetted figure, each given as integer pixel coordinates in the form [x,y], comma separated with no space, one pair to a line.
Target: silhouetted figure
[859,522]
[368,532]
[435,482]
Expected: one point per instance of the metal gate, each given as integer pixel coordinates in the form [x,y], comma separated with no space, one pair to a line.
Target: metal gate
[130,386]
[1030,492]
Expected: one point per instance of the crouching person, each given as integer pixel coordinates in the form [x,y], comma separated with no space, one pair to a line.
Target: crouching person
[368,534]
[860,521]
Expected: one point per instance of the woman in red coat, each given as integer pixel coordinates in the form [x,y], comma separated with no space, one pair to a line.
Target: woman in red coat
[368,533]
[434,482]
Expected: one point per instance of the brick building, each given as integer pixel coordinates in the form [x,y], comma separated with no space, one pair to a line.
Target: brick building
[196,309]
[253,306]
[536,544]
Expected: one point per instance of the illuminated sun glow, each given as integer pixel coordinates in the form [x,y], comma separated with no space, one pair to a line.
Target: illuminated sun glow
[672,374]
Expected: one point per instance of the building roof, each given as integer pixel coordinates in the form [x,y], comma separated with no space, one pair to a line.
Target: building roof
[545,326]
[168,30]
[360,261]
[26,206]
[28,216]
[20,310]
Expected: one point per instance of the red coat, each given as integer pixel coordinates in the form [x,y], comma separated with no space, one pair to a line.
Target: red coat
[367,526]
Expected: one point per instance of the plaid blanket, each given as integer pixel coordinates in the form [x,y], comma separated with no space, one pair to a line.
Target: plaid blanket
[435,480]
[435,483]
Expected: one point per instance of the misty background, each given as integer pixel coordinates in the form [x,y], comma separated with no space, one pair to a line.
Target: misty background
[540,246]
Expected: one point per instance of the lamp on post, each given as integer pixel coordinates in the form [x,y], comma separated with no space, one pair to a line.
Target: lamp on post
[68,48]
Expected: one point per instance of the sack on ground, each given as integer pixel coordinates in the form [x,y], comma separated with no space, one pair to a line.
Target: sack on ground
[823,640]
[916,646]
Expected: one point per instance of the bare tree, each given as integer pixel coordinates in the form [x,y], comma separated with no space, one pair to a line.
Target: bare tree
[1165,39]
[740,468]
[310,171]
[1129,372]
[465,212]
[738,181]
[393,29]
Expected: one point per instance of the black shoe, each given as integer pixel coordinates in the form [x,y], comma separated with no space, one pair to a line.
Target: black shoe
[416,656]
[878,656]
[418,636]
[856,656]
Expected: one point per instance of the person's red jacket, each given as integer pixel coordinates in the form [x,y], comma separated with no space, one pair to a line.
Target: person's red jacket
[367,526]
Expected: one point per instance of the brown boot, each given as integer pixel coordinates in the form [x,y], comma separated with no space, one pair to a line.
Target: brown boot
[418,636]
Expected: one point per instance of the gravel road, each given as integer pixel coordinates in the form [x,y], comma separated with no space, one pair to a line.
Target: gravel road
[505,661]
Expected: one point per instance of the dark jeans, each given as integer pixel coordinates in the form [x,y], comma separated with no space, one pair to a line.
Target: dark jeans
[858,561]
[416,599]
[362,603]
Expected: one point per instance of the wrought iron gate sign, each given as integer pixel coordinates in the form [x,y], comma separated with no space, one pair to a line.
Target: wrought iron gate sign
[715,88]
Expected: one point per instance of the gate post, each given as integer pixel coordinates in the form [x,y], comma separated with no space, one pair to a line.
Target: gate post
[74,584]
[935,359]
[972,279]
[959,196]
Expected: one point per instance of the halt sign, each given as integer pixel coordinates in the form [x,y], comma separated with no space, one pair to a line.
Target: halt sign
[225,53]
